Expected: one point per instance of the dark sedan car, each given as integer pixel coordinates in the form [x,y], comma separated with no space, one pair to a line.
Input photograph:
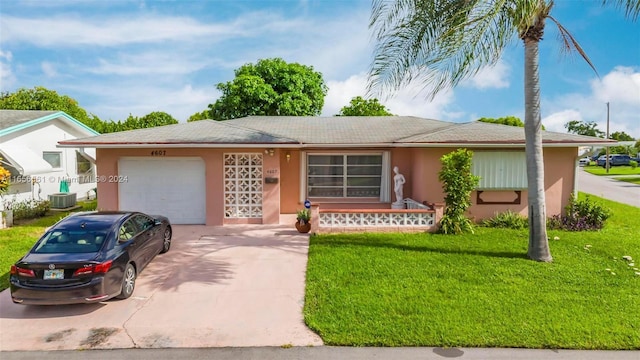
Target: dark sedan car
[89,257]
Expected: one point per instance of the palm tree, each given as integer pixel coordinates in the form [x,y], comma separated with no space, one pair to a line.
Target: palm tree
[441,42]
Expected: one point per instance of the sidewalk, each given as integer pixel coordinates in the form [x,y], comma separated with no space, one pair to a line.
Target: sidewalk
[326,352]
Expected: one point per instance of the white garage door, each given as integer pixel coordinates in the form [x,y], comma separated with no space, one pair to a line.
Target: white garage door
[173,187]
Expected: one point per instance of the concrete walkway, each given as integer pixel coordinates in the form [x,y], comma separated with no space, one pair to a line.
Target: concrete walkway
[216,287]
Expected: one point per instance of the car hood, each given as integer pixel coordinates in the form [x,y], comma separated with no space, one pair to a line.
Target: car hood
[59,258]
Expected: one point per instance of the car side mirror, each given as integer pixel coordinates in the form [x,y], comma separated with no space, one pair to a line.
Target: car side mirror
[157,222]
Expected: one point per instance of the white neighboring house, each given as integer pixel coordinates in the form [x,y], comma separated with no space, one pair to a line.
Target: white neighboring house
[28,147]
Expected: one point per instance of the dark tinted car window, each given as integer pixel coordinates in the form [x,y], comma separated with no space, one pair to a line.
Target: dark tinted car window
[70,241]
[143,222]
[127,230]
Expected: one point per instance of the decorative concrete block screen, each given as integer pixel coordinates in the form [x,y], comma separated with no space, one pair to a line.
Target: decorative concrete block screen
[384,220]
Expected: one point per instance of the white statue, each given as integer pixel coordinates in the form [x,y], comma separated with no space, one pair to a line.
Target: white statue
[398,183]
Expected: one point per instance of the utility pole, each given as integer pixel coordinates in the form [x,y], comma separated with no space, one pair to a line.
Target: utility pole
[607,159]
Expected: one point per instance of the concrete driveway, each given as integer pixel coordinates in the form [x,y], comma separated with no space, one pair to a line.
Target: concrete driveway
[218,286]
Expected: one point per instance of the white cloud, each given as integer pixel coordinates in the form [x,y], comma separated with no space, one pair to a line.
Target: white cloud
[72,31]
[149,62]
[48,69]
[7,78]
[556,121]
[409,101]
[620,87]
[495,77]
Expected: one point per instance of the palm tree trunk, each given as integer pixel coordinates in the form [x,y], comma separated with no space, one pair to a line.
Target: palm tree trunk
[538,242]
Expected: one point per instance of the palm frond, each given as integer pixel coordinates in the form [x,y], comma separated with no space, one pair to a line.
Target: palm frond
[569,43]
[436,42]
[631,7]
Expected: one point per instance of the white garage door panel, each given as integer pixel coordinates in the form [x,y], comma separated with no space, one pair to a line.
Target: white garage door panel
[173,187]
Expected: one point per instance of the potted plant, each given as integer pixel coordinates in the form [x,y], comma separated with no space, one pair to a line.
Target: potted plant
[303,223]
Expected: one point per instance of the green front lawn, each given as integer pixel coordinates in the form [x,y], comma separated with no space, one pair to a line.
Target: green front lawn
[478,290]
[614,170]
[633,179]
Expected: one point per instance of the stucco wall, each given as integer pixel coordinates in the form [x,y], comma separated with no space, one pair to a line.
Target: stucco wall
[559,181]
[107,164]
[419,166]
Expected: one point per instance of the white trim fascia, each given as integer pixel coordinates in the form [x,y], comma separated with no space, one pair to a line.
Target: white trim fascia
[317,146]
[494,145]
[178,145]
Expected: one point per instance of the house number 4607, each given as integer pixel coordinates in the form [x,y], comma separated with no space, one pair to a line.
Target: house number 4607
[158,152]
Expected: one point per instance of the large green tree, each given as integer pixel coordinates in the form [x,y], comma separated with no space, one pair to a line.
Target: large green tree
[270,87]
[588,128]
[40,98]
[359,106]
[441,42]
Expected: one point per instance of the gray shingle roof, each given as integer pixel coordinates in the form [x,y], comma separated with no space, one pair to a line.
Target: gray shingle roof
[9,118]
[323,131]
[342,129]
[487,133]
[197,132]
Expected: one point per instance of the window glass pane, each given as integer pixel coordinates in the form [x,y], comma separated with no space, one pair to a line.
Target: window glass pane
[363,192]
[363,181]
[326,192]
[327,177]
[326,170]
[326,159]
[364,160]
[364,170]
[326,181]
[53,158]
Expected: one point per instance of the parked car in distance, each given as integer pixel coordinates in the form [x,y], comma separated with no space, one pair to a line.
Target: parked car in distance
[614,160]
[584,161]
[89,257]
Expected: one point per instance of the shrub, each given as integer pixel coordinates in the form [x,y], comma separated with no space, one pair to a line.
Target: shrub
[633,164]
[457,183]
[507,219]
[27,209]
[89,205]
[580,215]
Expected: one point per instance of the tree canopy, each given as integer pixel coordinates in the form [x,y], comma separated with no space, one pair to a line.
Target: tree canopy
[506,120]
[270,87]
[621,136]
[588,128]
[40,98]
[153,119]
[363,107]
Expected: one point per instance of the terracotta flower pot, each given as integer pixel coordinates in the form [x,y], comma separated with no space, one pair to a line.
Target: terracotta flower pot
[303,227]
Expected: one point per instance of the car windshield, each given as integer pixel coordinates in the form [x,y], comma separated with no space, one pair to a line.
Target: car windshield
[70,241]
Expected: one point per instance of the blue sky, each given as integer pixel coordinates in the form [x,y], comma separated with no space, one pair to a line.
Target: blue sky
[134,57]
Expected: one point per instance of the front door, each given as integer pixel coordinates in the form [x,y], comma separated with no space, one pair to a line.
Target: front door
[242,185]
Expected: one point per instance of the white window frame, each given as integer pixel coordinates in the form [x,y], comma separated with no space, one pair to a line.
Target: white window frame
[59,153]
[86,177]
[384,175]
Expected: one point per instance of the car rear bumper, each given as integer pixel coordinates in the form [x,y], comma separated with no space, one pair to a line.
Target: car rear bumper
[87,293]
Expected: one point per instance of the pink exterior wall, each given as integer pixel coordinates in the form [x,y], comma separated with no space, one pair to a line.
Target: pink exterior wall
[107,164]
[420,166]
[559,183]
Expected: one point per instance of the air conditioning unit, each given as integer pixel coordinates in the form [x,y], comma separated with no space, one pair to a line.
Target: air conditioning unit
[62,200]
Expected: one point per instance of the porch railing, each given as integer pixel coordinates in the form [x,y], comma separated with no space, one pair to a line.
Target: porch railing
[417,217]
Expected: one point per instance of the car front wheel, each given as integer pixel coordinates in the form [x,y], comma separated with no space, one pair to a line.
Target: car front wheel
[128,282]
[166,240]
